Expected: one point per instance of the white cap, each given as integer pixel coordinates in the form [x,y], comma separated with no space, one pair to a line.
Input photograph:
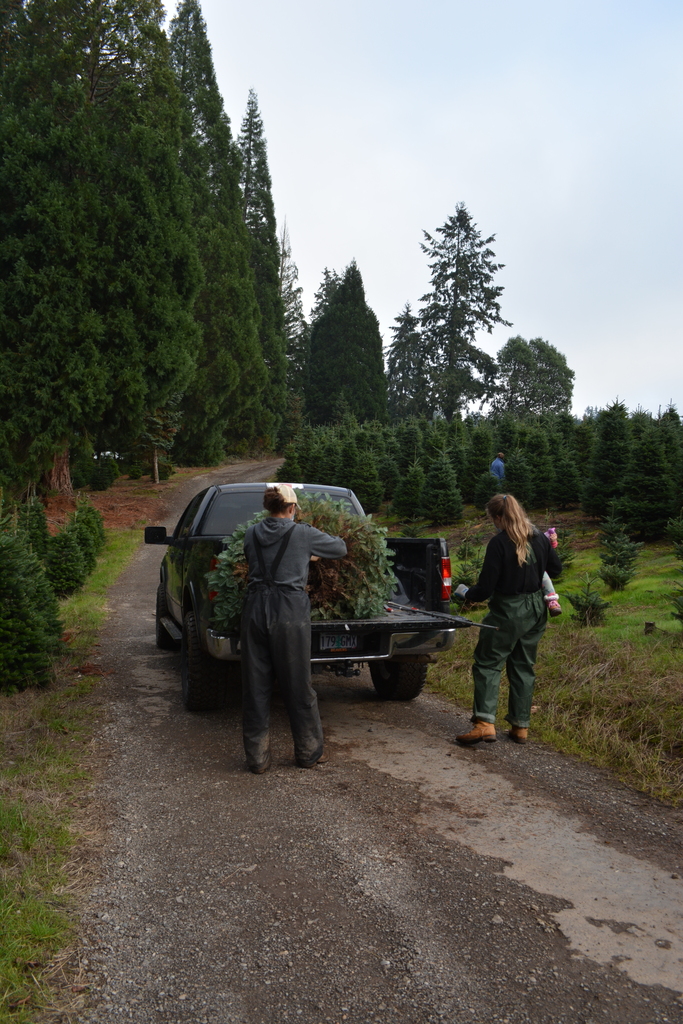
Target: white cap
[288,493]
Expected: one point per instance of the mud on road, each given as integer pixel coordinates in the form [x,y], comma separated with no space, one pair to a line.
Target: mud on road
[407,880]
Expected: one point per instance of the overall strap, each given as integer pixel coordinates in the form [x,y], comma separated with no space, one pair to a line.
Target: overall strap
[268,575]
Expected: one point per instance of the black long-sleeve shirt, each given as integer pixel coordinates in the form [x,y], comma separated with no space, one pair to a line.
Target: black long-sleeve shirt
[502,572]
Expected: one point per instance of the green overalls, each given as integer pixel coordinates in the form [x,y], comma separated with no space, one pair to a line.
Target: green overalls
[521,621]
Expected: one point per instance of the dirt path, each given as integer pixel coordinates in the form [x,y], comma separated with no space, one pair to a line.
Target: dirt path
[405,881]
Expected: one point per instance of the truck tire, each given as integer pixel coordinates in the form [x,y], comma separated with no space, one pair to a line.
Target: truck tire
[204,679]
[398,680]
[163,638]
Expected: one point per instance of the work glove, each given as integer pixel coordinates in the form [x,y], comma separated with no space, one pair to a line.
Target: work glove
[461,591]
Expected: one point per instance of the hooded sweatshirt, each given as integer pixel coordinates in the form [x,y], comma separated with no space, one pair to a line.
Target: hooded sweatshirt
[305,541]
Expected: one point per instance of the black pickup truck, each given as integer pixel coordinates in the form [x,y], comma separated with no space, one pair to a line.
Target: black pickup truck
[398,646]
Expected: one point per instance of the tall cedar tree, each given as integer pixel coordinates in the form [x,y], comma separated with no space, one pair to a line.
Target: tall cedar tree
[408,369]
[321,300]
[609,460]
[533,378]
[463,300]
[98,266]
[346,356]
[223,403]
[259,216]
[297,332]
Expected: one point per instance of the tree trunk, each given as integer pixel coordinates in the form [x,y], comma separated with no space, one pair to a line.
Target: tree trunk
[58,477]
[155,465]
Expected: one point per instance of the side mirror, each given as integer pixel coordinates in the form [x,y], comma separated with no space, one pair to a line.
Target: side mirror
[156,535]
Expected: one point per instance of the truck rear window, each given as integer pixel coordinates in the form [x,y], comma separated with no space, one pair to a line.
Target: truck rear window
[232,508]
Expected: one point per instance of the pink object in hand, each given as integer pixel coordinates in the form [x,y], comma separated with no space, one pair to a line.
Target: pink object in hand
[551,534]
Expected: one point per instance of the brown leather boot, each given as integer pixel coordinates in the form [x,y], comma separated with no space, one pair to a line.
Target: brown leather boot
[517,734]
[480,731]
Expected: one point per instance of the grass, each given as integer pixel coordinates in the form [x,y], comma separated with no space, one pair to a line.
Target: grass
[611,695]
[43,853]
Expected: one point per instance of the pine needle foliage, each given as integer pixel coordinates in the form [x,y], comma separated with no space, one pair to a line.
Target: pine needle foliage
[32,522]
[30,629]
[619,553]
[65,564]
[356,586]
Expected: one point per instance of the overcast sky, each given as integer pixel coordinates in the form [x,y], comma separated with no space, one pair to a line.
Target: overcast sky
[557,124]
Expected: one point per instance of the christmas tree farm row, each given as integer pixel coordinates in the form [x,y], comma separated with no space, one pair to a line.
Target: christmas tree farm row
[631,464]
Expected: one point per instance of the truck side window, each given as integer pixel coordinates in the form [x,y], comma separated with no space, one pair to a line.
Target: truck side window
[183,528]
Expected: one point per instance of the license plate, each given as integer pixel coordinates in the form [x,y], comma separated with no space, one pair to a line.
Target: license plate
[338,642]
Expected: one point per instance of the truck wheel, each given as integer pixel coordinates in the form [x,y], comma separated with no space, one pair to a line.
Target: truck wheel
[163,638]
[204,679]
[398,680]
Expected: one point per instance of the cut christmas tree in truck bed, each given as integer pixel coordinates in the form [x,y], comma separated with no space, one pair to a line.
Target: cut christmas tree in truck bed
[406,623]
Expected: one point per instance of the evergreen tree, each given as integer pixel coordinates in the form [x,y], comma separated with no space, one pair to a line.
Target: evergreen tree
[441,499]
[65,564]
[463,300]
[30,629]
[98,266]
[365,482]
[567,484]
[583,443]
[478,459]
[408,391]
[32,523]
[609,460]
[297,331]
[259,217]
[619,555]
[533,378]
[538,456]
[224,401]
[409,438]
[518,477]
[649,488]
[407,501]
[506,433]
[321,300]
[486,486]
[346,356]
[390,475]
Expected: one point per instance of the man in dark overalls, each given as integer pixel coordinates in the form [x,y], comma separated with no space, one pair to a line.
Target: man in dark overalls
[276,629]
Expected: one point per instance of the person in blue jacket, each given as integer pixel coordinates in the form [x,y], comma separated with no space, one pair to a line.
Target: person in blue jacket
[497,467]
[511,581]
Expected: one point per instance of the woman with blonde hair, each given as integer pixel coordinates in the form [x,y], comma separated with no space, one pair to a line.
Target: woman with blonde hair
[510,579]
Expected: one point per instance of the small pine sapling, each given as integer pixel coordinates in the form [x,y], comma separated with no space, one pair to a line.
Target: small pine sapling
[565,550]
[470,553]
[589,606]
[619,555]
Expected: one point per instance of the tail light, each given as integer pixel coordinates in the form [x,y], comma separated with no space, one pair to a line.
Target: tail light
[446,579]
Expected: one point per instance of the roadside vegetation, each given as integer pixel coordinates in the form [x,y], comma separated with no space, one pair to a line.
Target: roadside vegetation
[44,848]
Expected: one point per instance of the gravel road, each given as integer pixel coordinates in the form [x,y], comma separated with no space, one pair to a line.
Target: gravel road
[407,880]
